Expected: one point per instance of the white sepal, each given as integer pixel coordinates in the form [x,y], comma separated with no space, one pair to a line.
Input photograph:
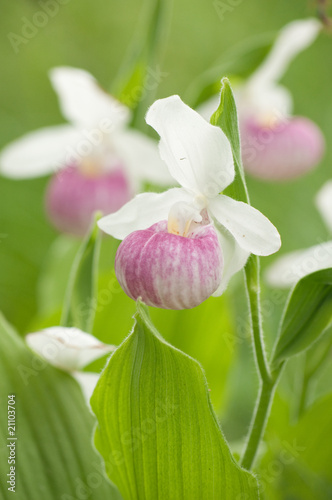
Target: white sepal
[39,153]
[292,39]
[69,349]
[198,154]
[84,103]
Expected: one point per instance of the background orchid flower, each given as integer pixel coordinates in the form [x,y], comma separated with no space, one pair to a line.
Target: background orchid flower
[199,157]
[70,349]
[275,144]
[290,268]
[100,162]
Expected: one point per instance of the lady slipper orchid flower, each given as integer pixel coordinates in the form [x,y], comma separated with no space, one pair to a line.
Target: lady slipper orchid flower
[276,146]
[290,268]
[182,245]
[70,350]
[100,163]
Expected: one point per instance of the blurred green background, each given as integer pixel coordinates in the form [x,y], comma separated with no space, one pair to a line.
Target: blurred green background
[34,260]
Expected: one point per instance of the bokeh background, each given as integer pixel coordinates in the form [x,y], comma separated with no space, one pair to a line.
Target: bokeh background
[34,259]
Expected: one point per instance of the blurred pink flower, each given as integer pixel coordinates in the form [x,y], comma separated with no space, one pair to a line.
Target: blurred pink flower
[98,161]
[275,144]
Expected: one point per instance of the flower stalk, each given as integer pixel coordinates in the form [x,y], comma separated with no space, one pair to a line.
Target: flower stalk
[268,381]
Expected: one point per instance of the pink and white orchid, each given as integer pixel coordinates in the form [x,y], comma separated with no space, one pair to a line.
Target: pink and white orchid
[290,268]
[198,237]
[275,144]
[100,162]
[70,350]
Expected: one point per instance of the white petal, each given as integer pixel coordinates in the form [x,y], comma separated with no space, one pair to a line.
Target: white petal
[141,212]
[234,256]
[84,103]
[141,157]
[324,203]
[290,268]
[198,155]
[38,153]
[88,382]
[293,38]
[251,229]
[69,349]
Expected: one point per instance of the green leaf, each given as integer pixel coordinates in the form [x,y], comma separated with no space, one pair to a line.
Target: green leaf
[216,349]
[307,315]
[226,118]
[79,304]
[157,430]
[54,455]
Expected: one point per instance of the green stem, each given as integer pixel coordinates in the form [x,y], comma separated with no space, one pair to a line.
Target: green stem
[267,382]
[258,423]
[252,275]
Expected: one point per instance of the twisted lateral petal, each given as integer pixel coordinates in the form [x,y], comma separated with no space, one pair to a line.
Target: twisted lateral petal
[292,39]
[69,349]
[169,271]
[141,157]
[284,151]
[234,257]
[38,153]
[290,268]
[141,212]
[324,203]
[198,154]
[84,103]
[250,228]
[72,198]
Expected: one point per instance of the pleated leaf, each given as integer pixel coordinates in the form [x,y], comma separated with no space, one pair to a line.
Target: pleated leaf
[54,455]
[308,314]
[157,430]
